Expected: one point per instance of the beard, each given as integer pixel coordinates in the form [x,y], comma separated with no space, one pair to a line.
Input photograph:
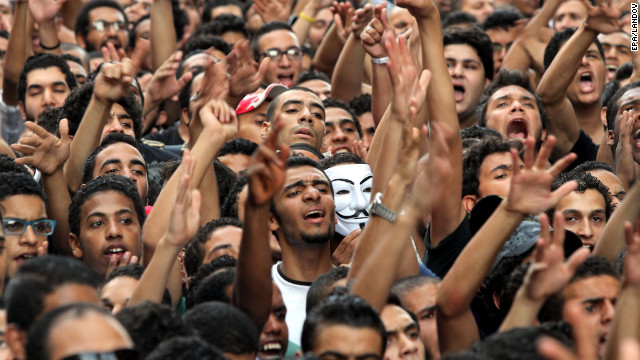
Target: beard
[313,239]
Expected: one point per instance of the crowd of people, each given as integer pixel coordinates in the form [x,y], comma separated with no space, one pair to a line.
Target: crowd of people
[270,179]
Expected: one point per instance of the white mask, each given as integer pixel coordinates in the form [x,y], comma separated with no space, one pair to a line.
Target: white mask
[351,191]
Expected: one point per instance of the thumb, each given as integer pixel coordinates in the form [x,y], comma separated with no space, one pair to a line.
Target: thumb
[63,128]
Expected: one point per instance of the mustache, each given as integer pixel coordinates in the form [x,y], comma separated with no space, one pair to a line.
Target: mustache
[357,214]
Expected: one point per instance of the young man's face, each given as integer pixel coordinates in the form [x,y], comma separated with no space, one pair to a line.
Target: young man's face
[478,8]
[400,19]
[123,159]
[403,336]
[467,75]
[616,51]
[6,15]
[589,81]
[495,174]
[597,295]
[320,87]
[346,342]
[224,240]
[570,14]
[119,121]
[514,113]
[137,9]
[283,69]
[630,100]
[46,88]
[250,123]
[302,115]
[305,211]
[584,214]
[109,227]
[20,248]
[422,302]
[92,332]
[319,27]
[102,23]
[78,72]
[502,40]
[274,337]
[115,294]
[340,130]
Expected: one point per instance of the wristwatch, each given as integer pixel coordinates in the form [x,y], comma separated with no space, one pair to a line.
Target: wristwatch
[377,208]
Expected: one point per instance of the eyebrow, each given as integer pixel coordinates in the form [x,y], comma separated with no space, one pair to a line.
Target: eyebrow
[219,247]
[428,308]
[300,102]
[412,325]
[502,167]
[118,161]
[630,102]
[521,97]
[119,212]
[301,183]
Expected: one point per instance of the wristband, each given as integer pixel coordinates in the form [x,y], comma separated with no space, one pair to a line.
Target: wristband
[382,60]
[50,48]
[304,16]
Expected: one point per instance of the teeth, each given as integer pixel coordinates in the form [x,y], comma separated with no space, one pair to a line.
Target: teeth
[585,76]
[313,213]
[115,250]
[636,134]
[28,256]
[271,346]
[612,68]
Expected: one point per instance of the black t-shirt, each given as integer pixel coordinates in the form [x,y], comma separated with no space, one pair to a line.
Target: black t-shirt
[439,259]
[585,148]
[169,136]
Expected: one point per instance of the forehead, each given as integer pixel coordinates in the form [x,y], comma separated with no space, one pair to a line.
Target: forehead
[422,296]
[278,39]
[461,52]
[105,13]
[227,233]
[106,202]
[45,75]
[512,91]
[302,95]
[632,94]
[593,287]
[305,173]
[587,201]
[121,151]
[23,206]
[572,6]
[315,84]
[336,113]
[496,159]
[608,179]
[395,318]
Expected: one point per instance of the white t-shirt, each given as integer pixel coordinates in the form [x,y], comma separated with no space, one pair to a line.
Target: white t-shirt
[294,295]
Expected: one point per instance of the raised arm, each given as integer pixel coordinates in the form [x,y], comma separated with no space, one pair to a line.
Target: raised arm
[252,284]
[329,50]
[47,153]
[529,194]
[561,118]
[112,84]
[44,14]
[302,26]
[163,34]
[16,54]
[548,274]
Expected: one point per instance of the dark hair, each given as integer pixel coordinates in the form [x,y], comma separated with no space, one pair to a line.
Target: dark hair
[502,18]
[402,287]
[458,17]
[149,324]
[85,55]
[238,146]
[222,24]
[559,39]
[50,120]
[613,107]
[44,61]
[37,278]
[312,75]
[594,266]
[213,287]
[75,59]
[586,181]
[225,177]
[4,34]
[608,92]
[335,103]
[624,71]
[229,207]
[131,270]
[224,327]
[473,135]
[38,347]
[504,78]
[522,343]
[478,40]
[78,100]
[185,348]
[169,169]
[101,184]
[8,165]
[361,104]
[184,96]
[340,159]
[194,251]
[272,108]
[219,264]
[113,138]
[13,183]
[323,284]
[82,19]
[265,29]
[204,42]
[305,147]
[212,4]
[348,310]
[592,166]
[473,159]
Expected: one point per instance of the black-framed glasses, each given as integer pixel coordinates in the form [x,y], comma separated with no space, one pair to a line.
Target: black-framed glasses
[18,227]
[293,53]
[124,354]
[103,25]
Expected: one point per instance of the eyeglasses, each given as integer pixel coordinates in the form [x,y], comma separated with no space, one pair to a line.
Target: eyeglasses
[124,354]
[102,25]
[293,53]
[18,227]
[497,48]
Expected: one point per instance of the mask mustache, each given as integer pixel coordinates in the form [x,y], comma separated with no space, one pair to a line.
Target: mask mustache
[357,214]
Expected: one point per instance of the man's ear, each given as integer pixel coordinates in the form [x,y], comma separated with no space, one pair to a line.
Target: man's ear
[74,242]
[273,223]
[603,117]
[184,116]
[22,110]
[266,128]
[469,201]
[16,339]
[80,41]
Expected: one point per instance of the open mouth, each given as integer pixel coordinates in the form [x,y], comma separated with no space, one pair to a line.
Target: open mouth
[588,246]
[458,92]
[341,150]
[115,250]
[270,350]
[636,135]
[517,129]
[304,133]
[612,68]
[286,79]
[586,82]
[20,259]
[314,216]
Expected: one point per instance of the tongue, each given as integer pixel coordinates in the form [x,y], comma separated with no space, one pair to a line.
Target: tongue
[286,80]
[586,86]
[516,135]
[459,95]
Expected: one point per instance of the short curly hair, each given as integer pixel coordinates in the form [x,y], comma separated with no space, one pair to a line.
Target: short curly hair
[13,183]
[585,181]
[478,40]
[473,159]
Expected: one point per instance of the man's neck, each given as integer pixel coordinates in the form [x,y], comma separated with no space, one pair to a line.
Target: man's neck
[468,119]
[305,263]
[588,117]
